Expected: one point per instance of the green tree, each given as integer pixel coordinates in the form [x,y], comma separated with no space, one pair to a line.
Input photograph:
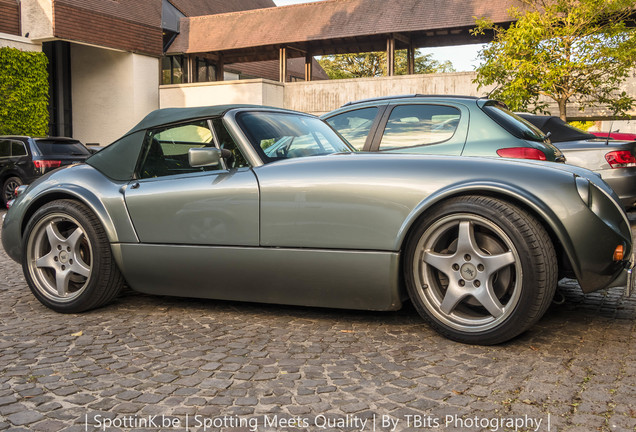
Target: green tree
[571,51]
[24,92]
[373,64]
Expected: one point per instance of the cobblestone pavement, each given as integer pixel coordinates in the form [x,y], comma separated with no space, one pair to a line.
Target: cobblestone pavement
[145,363]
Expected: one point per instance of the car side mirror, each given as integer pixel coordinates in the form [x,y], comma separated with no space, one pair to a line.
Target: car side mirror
[207,156]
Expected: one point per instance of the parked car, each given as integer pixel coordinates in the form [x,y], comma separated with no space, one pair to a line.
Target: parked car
[23,159]
[190,202]
[445,125]
[614,160]
[625,136]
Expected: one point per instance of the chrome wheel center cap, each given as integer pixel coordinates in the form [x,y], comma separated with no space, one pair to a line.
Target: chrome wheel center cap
[468,271]
[63,257]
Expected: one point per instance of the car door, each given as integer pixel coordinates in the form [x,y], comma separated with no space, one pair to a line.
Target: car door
[174,203]
[423,128]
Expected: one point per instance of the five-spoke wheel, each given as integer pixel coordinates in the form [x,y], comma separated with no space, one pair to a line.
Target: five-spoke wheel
[60,257]
[8,188]
[480,270]
[67,258]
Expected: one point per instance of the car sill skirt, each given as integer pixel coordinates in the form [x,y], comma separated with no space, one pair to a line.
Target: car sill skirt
[306,277]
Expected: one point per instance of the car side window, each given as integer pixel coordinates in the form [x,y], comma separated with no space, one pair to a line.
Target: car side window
[5,149]
[419,125]
[227,142]
[165,150]
[354,126]
[18,149]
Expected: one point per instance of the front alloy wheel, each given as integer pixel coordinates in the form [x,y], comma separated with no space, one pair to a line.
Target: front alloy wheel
[480,270]
[67,260]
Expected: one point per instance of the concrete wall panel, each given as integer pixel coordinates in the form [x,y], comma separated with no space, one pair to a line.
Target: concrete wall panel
[111,92]
[253,91]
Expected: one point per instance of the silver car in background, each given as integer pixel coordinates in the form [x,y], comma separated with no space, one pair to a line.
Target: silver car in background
[614,160]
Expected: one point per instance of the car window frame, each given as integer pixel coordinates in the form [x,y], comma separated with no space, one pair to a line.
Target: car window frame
[374,125]
[24,146]
[222,167]
[377,139]
[8,141]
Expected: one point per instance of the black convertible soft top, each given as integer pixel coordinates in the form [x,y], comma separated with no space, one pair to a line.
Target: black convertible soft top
[559,130]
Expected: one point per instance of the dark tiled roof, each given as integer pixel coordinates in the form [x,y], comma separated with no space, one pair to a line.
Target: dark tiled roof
[132,25]
[139,11]
[209,7]
[99,28]
[331,19]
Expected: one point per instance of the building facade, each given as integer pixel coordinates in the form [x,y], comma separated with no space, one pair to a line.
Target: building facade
[106,58]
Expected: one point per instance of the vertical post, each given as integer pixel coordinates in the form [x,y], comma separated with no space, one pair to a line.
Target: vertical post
[192,68]
[309,67]
[411,58]
[390,56]
[282,65]
[220,69]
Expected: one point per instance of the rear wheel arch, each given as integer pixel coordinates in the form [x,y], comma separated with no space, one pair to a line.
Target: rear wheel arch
[46,198]
[67,260]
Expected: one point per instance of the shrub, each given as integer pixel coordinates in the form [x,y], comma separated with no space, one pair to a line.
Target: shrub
[24,93]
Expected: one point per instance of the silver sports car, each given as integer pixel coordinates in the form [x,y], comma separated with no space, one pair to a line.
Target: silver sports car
[268,205]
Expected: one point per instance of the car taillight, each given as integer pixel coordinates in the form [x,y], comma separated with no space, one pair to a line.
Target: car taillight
[620,159]
[47,163]
[521,153]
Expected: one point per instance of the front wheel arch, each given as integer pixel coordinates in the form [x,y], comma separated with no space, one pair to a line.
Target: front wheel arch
[564,252]
[506,245]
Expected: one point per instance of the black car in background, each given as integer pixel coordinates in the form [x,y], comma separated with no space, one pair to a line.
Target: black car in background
[23,159]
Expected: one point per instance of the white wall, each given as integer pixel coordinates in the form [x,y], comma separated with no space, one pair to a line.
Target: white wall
[37,19]
[319,97]
[253,91]
[21,43]
[111,92]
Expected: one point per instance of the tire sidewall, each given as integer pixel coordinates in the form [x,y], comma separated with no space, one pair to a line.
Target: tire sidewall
[83,301]
[516,322]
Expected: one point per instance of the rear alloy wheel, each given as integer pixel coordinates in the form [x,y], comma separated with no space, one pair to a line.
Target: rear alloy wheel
[480,270]
[67,259]
[8,188]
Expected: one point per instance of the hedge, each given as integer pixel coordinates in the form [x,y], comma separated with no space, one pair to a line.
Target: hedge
[24,93]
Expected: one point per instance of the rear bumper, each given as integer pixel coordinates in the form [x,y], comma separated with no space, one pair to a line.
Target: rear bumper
[623,181]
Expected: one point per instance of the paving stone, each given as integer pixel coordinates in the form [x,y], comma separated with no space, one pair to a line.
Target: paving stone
[166,356]
[24,418]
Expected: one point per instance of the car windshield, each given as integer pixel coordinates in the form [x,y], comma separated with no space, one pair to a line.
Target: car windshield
[514,124]
[54,147]
[278,136]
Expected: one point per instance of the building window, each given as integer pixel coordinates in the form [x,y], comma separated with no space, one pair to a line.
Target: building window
[206,71]
[174,70]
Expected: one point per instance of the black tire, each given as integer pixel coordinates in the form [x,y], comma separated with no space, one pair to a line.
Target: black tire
[67,260]
[8,187]
[499,269]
